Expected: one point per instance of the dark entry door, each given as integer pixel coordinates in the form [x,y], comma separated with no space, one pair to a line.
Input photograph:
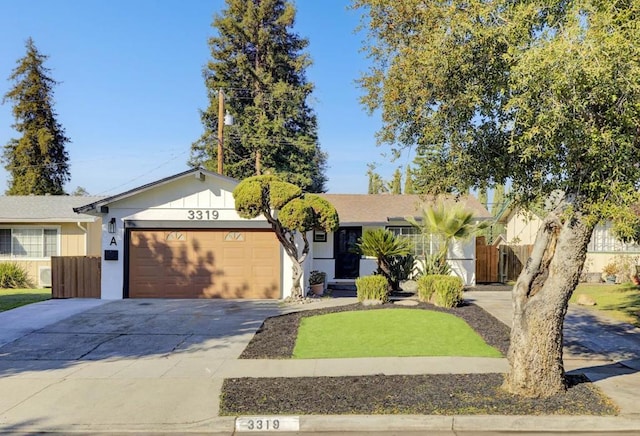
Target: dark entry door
[347,263]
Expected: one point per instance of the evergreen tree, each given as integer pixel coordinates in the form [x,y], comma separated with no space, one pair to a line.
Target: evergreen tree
[408,182]
[376,184]
[498,200]
[37,162]
[482,197]
[396,182]
[259,63]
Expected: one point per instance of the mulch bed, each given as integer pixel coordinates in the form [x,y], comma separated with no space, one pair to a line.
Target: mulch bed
[440,394]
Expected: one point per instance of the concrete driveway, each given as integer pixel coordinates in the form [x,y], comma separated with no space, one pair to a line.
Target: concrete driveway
[116,363]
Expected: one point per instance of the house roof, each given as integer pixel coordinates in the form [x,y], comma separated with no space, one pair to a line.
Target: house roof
[95,206]
[376,209]
[43,208]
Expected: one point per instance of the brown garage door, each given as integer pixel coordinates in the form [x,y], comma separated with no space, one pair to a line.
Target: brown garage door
[235,263]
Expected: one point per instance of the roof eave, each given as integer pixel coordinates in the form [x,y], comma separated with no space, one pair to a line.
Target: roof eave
[94,208]
[87,219]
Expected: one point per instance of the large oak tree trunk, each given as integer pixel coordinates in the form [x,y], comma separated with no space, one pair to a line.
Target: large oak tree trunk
[540,300]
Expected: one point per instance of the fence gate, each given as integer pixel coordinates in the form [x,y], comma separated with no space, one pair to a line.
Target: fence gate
[512,261]
[75,276]
[486,262]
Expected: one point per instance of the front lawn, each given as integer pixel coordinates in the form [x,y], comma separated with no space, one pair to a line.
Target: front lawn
[388,332]
[621,302]
[12,298]
[432,394]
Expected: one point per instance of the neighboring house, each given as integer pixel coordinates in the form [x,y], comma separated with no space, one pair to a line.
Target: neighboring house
[180,237]
[34,228]
[332,253]
[522,226]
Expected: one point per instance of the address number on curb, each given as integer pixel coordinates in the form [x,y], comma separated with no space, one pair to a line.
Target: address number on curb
[268,423]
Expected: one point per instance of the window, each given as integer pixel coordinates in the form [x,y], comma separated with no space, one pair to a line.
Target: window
[603,240]
[319,236]
[422,244]
[5,242]
[28,242]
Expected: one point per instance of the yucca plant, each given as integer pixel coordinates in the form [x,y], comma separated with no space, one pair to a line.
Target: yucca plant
[384,246]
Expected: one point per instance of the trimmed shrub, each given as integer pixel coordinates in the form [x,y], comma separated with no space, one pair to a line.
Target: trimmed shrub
[372,288]
[441,290]
[425,288]
[13,276]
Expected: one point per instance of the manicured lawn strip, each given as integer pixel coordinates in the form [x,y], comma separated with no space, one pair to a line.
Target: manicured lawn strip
[388,333]
[621,302]
[12,298]
[277,336]
[442,394]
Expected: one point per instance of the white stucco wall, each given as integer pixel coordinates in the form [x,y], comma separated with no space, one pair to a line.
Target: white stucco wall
[462,259]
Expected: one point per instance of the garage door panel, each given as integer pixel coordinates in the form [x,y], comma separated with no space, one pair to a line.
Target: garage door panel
[204,264]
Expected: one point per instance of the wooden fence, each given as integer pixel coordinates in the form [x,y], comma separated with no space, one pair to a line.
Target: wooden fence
[512,260]
[486,263]
[75,276]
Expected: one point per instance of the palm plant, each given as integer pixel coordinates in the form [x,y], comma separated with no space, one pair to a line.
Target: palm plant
[384,246]
[449,224]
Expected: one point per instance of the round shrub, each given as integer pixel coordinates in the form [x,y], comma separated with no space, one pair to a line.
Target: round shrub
[441,290]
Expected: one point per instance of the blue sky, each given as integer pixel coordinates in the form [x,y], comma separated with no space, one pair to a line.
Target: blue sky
[131,85]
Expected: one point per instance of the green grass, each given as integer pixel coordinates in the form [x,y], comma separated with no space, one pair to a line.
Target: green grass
[12,298]
[621,302]
[388,333]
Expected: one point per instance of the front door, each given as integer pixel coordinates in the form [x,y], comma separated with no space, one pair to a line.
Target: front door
[347,262]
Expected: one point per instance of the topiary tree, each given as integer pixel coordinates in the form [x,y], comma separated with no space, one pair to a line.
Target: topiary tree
[384,246]
[290,211]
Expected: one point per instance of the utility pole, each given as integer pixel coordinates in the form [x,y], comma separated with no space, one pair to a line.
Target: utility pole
[220,129]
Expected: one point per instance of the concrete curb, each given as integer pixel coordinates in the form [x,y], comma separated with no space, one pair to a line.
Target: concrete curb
[340,424]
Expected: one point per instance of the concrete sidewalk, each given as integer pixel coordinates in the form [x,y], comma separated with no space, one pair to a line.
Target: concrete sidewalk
[178,391]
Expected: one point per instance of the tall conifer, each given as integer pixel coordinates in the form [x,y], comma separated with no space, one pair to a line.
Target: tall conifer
[408,181]
[37,161]
[396,182]
[259,64]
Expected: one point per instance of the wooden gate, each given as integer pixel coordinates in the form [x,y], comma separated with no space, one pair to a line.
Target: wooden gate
[75,276]
[512,261]
[486,262]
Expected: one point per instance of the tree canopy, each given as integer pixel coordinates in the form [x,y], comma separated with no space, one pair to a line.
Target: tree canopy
[540,94]
[37,161]
[260,65]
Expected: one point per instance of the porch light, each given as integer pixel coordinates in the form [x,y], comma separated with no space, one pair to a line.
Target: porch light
[111,226]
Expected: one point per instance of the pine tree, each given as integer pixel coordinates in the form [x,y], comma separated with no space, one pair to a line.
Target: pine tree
[376,184]
[37,161]
[259,63]
[396,182]
[408,181]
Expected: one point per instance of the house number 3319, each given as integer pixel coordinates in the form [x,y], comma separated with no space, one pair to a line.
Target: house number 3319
[203,214]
